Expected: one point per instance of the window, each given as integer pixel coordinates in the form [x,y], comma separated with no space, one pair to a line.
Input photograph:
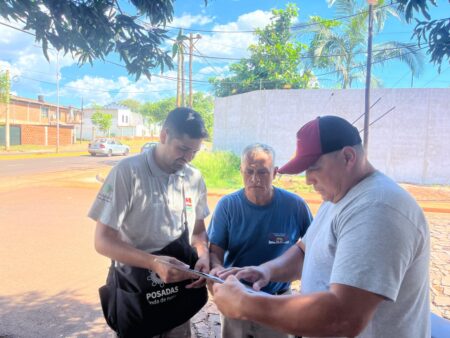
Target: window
[44,112]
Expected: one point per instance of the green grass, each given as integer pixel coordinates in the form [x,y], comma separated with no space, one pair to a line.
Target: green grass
[219,169]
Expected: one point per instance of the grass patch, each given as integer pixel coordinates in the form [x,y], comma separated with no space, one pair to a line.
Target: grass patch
[219,169]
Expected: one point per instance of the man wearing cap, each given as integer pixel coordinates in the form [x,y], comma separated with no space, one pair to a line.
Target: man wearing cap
[254,225]
[364,260]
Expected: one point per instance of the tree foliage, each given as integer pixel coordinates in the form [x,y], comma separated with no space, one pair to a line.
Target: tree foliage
[274,62]
[101,119]
[156,112]
[133,105]
[435,33]
[341,46]
[91,30]
[4,88]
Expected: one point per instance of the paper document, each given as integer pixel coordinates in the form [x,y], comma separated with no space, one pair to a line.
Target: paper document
[205,275]
[195,272]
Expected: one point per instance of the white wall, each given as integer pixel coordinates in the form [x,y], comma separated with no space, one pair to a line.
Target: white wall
[410,144]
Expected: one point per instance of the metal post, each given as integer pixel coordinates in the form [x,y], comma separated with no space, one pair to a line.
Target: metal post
[81,122]
[191,51]
[57,102]
[7,117]
[368,74]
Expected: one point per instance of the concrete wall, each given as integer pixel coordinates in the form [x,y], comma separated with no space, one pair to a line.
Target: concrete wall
[410,144]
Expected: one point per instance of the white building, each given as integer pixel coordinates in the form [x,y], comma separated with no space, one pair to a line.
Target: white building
[124,123]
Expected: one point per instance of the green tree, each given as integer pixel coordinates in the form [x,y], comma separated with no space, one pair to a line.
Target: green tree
[204,104]
[133,105]
[102,120]
[274,62]
[156,112]
[4,88]
[93,29]
[341,46]
[433,32]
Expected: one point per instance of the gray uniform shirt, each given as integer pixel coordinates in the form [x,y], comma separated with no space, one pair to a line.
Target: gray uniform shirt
[376,238]
[145,204]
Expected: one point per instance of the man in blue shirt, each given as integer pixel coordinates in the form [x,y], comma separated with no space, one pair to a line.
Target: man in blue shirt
[254,225]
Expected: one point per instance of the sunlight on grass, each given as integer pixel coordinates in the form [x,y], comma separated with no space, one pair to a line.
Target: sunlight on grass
[219,169]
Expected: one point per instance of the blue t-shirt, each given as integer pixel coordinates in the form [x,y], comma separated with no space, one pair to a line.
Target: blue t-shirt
[251,234]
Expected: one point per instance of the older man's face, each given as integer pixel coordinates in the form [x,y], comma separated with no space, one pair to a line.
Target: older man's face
[258,172]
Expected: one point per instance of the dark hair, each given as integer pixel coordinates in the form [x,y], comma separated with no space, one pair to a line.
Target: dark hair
[185,121]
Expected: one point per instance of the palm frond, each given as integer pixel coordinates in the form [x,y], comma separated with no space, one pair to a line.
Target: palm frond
[404,52]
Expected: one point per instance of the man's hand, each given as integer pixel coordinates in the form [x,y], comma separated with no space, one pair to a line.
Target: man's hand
[202,265]
[229,297]
[258,275]
[165,267]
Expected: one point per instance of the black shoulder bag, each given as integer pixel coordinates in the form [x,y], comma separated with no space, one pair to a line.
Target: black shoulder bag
[142,305]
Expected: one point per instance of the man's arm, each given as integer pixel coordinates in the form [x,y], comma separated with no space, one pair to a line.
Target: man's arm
[343,311]
[108,243]
[216,256]
[286,267]
[200,243]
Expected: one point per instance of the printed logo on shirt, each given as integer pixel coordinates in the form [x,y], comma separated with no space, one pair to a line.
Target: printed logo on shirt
[278,238]
[106,192]
[188,202]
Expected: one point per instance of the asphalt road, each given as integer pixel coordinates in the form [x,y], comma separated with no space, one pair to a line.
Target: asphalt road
[35,166]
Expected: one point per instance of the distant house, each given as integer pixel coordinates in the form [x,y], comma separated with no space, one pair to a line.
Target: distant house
[125,123]
[35,122]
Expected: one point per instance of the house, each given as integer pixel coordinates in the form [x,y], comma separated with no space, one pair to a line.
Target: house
[125,123]
[35,122]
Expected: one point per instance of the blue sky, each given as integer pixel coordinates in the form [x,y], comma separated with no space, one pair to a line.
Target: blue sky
[103,82]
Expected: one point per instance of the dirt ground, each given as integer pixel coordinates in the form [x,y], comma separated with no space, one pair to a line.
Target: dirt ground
[51,273]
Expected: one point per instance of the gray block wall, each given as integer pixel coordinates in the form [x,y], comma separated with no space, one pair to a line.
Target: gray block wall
[411,144]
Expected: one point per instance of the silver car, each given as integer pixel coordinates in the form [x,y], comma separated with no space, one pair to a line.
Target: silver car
[108,147]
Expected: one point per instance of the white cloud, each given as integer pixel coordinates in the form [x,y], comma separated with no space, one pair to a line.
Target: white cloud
[188,20]
[216,70]
[234,44]
[103,91]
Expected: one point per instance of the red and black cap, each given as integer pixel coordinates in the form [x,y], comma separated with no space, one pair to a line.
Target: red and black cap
[320,136]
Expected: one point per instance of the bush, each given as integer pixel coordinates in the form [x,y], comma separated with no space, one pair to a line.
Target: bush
[219,169]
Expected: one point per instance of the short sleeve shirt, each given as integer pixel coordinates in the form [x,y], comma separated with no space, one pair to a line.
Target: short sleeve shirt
[375,238]
[145,204]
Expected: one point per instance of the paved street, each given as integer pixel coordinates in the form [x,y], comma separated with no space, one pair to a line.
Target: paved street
[50,271]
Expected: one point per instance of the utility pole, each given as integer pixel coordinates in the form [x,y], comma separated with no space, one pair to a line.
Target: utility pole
[57,102]
[81,123]
[180,69]
[368,74]
[191,50]
[7,127]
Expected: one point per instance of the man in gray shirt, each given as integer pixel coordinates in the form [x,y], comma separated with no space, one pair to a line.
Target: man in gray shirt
[363,261]
[150,200]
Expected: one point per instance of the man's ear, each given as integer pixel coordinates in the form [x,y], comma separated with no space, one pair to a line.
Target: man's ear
[275,172]
[163,136]
[349,155]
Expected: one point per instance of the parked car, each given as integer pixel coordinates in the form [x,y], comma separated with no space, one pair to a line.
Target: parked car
[147,146]
[108,147]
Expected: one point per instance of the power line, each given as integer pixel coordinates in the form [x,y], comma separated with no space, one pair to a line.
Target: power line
[294,27]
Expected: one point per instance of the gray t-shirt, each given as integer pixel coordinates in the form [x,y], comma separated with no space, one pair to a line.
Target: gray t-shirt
[145,204]
[376,238]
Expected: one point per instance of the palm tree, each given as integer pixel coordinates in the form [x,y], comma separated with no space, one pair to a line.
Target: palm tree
[342,46]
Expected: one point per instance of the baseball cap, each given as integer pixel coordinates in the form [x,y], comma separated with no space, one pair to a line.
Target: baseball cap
[322,135]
